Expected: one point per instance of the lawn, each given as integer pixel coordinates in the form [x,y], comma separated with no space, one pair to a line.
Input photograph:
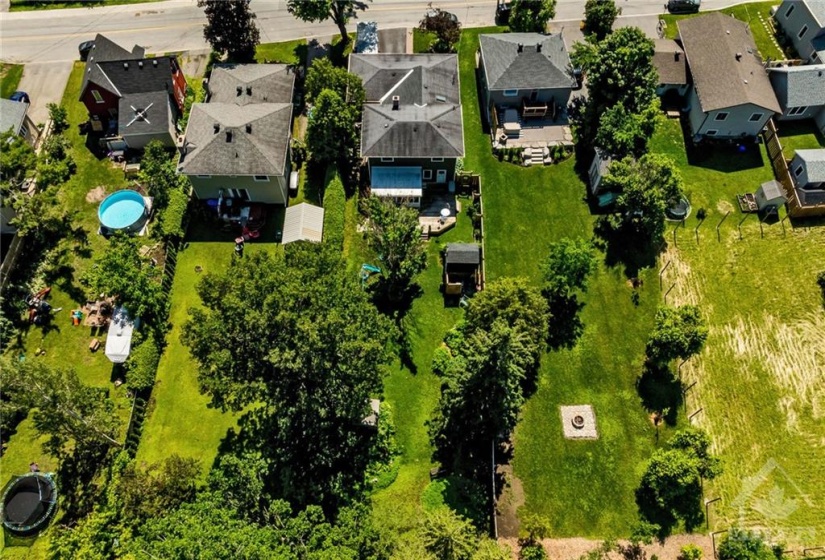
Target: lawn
[760,381]
[25,5]
[797,135]
[287,52]
[756,14]
[10,75]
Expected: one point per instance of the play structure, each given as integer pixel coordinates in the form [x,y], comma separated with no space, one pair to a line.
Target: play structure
[368,270]
[28,503]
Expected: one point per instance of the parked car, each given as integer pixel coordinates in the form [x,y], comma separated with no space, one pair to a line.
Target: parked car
[21,96]
[683,6]
[84,49]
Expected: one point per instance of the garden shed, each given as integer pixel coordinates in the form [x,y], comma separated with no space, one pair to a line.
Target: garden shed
[598,169]
[770,195]
[303,222]
[462,262]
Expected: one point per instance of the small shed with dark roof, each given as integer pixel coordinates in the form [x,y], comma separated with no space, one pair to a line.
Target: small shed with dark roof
[462,264]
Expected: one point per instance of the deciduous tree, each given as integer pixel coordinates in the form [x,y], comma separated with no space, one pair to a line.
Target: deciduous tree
[323,74]
[444,25]
[622,133]
[231,28]
[568,266]
[339,11]
[331,136]
[448,535]
[679,333]
[739,544]
[599,16]
[17,159]
[531,15]
[307,349]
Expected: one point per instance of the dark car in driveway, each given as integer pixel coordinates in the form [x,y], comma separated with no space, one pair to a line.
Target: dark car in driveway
[84,49]
[20,96]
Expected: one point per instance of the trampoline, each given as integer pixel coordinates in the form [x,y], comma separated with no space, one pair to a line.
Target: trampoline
[28,503]
[678,211]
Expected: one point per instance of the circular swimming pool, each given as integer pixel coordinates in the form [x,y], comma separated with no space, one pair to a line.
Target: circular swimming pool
[122,211]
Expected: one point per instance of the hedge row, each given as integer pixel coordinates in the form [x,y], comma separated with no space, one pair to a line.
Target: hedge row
[335,200]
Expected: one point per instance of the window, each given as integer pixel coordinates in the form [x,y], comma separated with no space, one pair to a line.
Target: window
[794,111]
[427,175]
[97,96]
[802,31]
[721,116]
[798,171]
[203,176]
[243,194]
[756,117]
[387,159]
[790,11]
[510,93]
[260,178]
[711,133]
[437,159]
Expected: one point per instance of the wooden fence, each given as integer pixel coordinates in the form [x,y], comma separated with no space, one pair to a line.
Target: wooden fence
[796,208]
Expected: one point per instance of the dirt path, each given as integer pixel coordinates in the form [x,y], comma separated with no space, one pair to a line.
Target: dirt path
[575,548]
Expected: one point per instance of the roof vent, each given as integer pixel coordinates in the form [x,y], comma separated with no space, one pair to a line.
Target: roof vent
[249,90]
[140,64]
[440,98]
[396,102]
[676,55]
[239,90]
[249,128]
[155,62]
[738,56]
[216,127]
[228,135]
[125,65]
[521,47]
[538,47]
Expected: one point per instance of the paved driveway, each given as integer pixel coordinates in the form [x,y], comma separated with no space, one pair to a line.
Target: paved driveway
[45,83]
[392,40]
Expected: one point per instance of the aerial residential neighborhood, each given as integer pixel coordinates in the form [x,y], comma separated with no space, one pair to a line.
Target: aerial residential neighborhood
[500,280]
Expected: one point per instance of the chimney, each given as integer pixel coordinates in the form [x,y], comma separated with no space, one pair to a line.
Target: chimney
[249,90]
[155,62]
[239,90]
[228,135]
[738,56]
[521,47]
[676,56]
[140,64]
[396,102]
[125,65]
[216,127]
[538,47]
[249,128]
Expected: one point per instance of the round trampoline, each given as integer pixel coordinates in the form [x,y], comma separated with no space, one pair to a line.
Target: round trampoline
[678,211]
[28,503]
[122,211]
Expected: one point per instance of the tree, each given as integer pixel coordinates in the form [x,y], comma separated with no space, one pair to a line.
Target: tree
[568,266]
[448,535]
[444,25]
[739,544]
[339,11]
[622,133]
[531,15]
[394,234]
[324,75]
[645,188]
[599,16]
[696,442]
[331,136]
[230,28]
[679,333]
[17,159]
[488,549]
[157,170]
[59,117]
[120,271]
[619,71]
[158,488]
[820,281]
[307,351]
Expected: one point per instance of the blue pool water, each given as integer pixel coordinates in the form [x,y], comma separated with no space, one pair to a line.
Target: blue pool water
[121,209]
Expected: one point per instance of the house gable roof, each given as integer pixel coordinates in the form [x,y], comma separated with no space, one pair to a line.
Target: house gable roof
[258,83]
[799,86]
[231,150]
[462,253]
[670,62]
[814,161]
[547,67]
[817,10]
[427,122]
[105,50]
[726,68]
[12,115]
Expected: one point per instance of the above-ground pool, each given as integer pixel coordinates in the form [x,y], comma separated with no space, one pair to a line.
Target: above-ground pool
[29,502]
[122,211]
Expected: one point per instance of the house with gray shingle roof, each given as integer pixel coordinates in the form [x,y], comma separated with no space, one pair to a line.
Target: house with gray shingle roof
[803,22]
[801,92]
[671,65]
[132,96]
[14,116]
[731,96]
[411,128]
[520,70]
[237,143]
[807,171]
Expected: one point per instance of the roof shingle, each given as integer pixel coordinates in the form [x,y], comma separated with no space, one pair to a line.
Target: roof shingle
[532,68]
[670,62]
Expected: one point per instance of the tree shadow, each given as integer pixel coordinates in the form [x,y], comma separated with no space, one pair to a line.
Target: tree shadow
[660,391]
[566,325]
[652,512]
[632,250]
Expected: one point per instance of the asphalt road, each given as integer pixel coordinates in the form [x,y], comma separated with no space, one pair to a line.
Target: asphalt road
[176,25]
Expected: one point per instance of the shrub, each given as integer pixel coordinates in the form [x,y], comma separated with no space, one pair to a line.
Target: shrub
[533,552]
[59,118]
[701,214]
[143,364]
[55,172]
[820,281]
[335,200]
[171,221]
[690,552]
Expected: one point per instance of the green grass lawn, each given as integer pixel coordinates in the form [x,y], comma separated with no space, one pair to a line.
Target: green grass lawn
[25,5]
[10,75]
[422,40]
[750,13]
[287,52]
[798,135]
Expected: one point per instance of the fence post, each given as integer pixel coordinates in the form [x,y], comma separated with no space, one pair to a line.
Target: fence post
[713,540]
[740,225]
[719,235]
[668,290]
[661,272]
[707,510]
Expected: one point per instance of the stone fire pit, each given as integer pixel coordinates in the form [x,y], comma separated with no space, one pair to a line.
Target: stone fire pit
[579,422]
